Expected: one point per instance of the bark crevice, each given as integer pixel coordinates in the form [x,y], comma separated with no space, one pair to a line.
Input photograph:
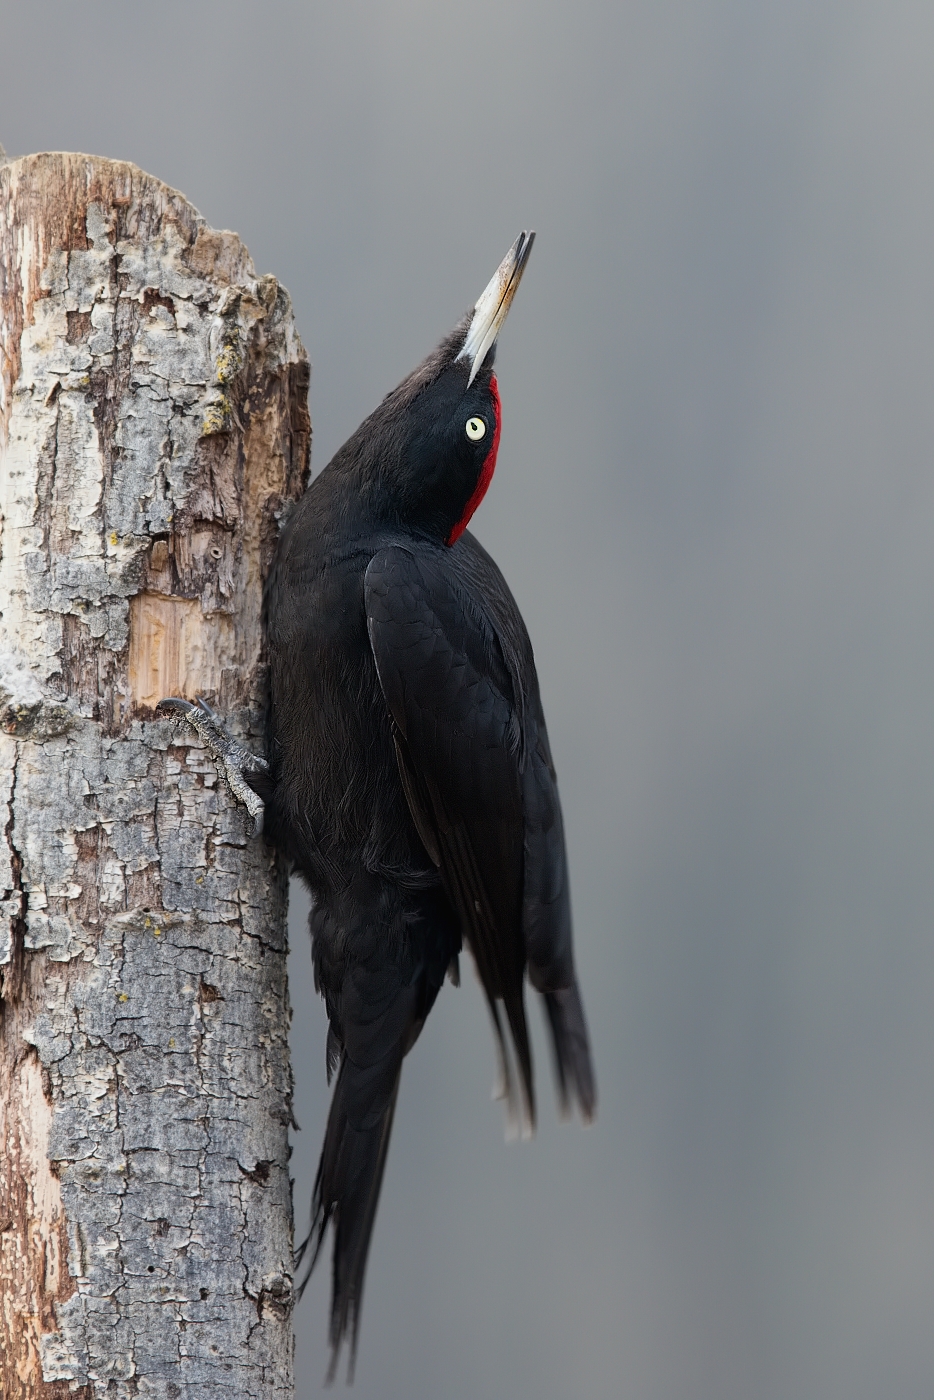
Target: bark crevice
[14,904]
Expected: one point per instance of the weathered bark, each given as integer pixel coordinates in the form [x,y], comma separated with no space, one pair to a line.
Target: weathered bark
[153,429]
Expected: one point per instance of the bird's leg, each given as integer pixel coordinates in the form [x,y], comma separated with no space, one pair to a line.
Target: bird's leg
[234,761]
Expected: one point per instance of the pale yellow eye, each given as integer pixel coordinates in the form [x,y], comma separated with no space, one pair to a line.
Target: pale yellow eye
[476,429]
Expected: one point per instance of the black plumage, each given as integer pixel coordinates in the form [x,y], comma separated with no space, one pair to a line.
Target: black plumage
[410,777]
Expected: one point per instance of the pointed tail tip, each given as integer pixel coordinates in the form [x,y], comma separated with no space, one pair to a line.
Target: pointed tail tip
[344,1328]
[571,1048]
[588,1107]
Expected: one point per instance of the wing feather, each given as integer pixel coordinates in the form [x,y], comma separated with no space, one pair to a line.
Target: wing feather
[449,695]
[472,749]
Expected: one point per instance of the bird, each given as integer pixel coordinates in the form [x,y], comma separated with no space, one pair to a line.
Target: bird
[408,776]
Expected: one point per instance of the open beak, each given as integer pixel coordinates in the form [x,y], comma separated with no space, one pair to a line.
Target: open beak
[490,311]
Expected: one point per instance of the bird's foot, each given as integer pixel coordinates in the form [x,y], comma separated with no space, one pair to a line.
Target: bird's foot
[233,760]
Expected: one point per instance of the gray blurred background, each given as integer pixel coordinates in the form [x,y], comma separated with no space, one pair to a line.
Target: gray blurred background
[715,505]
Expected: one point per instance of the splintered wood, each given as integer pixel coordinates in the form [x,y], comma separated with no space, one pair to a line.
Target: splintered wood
[172,652]
[153,433]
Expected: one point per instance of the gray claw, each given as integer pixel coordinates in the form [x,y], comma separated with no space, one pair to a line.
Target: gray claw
[234,760]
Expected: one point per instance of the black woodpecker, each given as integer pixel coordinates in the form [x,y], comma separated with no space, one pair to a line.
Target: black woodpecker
[409,776]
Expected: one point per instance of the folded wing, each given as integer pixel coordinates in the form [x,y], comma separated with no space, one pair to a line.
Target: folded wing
[456,671]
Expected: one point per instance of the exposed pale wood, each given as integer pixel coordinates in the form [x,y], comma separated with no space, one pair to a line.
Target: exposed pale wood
[153,431]
[172,652]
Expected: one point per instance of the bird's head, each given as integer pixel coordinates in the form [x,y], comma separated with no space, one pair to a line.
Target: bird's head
[429,450]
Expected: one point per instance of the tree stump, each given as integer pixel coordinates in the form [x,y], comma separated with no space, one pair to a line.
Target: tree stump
[153,432]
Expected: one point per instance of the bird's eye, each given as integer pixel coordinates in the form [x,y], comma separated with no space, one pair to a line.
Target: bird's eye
[475,429]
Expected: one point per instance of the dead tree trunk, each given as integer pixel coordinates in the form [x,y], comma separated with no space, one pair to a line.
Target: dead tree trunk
[153,429]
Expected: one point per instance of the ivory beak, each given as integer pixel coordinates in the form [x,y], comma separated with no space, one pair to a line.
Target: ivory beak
[494,303]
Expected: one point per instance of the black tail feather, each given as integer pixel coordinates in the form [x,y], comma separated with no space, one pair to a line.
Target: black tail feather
[347,1187]
[519,1099]
[573,1066]
[515,1015]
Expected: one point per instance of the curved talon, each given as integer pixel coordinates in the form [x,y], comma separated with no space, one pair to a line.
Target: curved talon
[233,760]
[172,702]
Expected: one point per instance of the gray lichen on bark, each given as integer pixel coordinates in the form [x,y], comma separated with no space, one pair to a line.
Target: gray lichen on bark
[153,430]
